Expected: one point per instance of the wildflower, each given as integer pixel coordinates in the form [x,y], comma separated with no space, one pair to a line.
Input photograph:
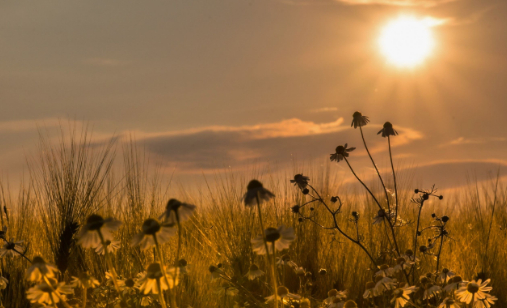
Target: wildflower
[39,269]
[336,303]
[279,239]
[359,119]
[215,272]
[401,295]
[430,290]
[368,293]
[300,271]
[409,256]
[486,302]
[182,264]
[255,191]
[381,214]
[334,199]
[385,271]
[50,294]
[446,274]
[350,304]
[177,211]
[387,130]
[401,264]
[3,283]
[226,289]
[334,294]
[341,152]
[383,284]
[454,284]
[474,289]
[112,246]
[84,280]
[300,180]
[153,233]
[11,249]
[448,303]
[322,271]
[283,295]
[254,272]
[152,282]
[97,230]
[304,303]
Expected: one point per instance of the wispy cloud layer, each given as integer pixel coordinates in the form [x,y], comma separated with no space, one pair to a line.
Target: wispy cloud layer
[412,3]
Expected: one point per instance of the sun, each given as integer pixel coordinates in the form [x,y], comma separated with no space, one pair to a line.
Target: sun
[407,41]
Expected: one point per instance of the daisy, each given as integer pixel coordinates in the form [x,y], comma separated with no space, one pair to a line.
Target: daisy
[430,291]
[473,290]
[283,295]
[359,119]
[84,280]
[152,282]
[153,233]
[3,283]
[182,264]
[215,272]
[335,295]
[300,180]
[255,191]
[350,304]
[112,246]
[446,274]
[486,302]
[368,293]
[454,284]
[11,249]
[97,230]
[44,293]
[383,284]
[40,269]
[341,152]
[402,264]
[387,130]
[254,272]
[385,271]
[448,303]
[177,211]
[279,239]
[401,296]
[409,256]
[336,303]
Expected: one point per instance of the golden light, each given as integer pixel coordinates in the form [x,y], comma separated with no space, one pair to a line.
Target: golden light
[407,41]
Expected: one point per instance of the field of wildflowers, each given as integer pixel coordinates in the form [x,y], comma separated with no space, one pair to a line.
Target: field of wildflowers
[81,234]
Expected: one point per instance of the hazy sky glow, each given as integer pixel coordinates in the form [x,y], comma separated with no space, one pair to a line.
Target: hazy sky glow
[208,84]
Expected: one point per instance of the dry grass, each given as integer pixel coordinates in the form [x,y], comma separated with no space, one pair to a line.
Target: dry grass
[75,178]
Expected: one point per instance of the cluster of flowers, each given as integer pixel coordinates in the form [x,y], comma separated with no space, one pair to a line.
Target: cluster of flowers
[148,288]
[395,279]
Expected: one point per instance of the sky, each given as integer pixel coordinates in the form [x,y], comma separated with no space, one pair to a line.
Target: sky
[208,85]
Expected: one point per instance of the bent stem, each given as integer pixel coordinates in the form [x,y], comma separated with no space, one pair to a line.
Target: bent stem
[394,179]
[378,204]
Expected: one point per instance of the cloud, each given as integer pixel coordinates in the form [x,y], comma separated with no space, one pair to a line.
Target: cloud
[463,140]
[410,3]
[104,62]
[215,147]
[324,109]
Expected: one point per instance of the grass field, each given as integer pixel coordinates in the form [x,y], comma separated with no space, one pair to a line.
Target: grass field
[71,180]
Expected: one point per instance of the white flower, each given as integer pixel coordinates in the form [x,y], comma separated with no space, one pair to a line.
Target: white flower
[177,211]
[254,272]
[283,295]
[401,296]
[478,290]
[255,191]
[153,233]
[112,246]
[12,249]
[40,269]
[280,239]
[383,284]
[448,303]
[431,291]
[96,230]
[445,275]
[47,294]
[368,293]
[335,296]
[385,271]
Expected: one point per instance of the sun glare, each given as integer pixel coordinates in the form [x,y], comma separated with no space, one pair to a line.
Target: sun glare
[407,41]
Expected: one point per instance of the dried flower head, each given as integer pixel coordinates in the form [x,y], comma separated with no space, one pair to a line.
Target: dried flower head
[256,192]
[341,152]
[387,130]
[300,180]
[176,211]
[359,120]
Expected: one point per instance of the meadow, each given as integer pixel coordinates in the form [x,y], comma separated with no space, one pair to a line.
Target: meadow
[336,245]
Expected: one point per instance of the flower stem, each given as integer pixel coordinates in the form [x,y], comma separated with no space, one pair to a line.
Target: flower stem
[161,260]
[56,293]
[394,179]
[273,271]
[85,290]
[110,264]
[161,295]
[376,169]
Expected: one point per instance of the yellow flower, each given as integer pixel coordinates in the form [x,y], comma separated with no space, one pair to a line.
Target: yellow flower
[153,232]
[40,269]
[44,293]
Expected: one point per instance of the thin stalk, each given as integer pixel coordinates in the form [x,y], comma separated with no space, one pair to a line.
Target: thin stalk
[161,295]
[161,260]
[394,179]
[56,293]
[85,290]
[440,251]
[376,169]
[273,271]
[110,264]
[416,236]
[378,204]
